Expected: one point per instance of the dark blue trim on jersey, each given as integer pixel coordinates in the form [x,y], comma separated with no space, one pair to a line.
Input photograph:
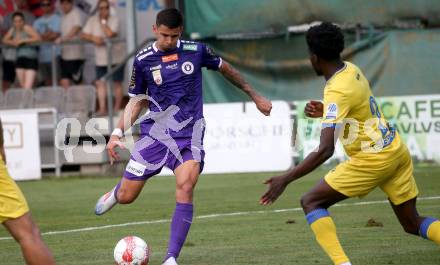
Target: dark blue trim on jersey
[423,230]
[331,125]
[388,139]
[316,214]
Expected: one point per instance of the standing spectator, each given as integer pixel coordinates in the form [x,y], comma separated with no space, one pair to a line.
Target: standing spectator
[19,35]
[49,27]
[99,28]
[9,53]
[72,56]
[36,7]
[8,65]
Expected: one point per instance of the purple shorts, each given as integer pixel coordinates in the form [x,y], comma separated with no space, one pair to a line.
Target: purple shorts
[149,156]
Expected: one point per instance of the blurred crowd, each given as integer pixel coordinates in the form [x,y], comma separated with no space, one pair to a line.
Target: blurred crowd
[36,43]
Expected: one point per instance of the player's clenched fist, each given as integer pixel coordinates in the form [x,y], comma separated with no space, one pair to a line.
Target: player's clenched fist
[263,105]
[314,109]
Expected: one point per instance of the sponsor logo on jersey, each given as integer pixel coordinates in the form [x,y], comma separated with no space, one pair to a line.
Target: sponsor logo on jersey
[132,79]
[157,77]
[332,111]
[136,168]
[190,47]
[210,52]
[157,67]
[172,66]
[187,68]
[170,58]
[144,55]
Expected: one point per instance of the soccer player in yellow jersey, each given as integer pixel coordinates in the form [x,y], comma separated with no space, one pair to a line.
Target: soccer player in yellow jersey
[378,157]
[15,216]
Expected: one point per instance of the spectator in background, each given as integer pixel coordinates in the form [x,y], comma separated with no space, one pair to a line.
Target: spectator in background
[35,7]
[72,55]
[19,36]
[8,66]
[49,27]
[99,28]
[9,53]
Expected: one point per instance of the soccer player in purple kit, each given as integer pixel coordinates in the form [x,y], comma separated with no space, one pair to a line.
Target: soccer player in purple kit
[167,80]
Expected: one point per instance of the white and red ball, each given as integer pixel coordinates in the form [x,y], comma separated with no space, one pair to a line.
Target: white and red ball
[131,250]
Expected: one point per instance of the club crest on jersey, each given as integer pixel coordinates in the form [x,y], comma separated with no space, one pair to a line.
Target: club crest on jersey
[157,76]
[187,68]
[332,111]
[170,58]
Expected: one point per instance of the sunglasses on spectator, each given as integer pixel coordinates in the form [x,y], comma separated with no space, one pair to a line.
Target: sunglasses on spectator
[103,7]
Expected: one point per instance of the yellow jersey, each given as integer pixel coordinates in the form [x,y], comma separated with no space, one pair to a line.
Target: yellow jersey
[350,105]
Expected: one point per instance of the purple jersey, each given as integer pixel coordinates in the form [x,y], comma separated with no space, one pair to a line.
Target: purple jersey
[173,78]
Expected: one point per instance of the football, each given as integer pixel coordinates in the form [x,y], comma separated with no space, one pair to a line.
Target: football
[131,250]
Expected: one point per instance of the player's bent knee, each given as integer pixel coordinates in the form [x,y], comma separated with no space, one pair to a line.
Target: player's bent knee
[186,188]
[307,203]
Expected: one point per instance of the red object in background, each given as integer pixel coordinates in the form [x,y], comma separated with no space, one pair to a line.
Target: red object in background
[7,7]
[35,7]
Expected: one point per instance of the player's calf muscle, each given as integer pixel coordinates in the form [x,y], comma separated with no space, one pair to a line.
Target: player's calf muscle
[125,196]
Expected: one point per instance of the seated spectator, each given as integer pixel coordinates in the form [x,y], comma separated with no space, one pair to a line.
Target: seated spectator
[49,27]
[19,36]
[72,55]
[8,52]
[99,28]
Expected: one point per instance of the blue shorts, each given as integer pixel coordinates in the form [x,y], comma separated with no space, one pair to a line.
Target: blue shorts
[149,156]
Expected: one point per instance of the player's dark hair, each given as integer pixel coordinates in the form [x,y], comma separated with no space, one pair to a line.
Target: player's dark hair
[17,14]
[170,17]
[326,40]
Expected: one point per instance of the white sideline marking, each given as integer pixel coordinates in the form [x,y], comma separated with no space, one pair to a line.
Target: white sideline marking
[209,216]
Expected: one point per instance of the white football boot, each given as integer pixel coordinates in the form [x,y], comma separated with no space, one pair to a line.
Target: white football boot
[170,261]
[106,202]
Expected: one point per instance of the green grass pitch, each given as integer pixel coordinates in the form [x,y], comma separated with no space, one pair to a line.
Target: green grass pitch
[253,234]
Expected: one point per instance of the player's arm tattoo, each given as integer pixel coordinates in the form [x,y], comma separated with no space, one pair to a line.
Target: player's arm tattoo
[236,78]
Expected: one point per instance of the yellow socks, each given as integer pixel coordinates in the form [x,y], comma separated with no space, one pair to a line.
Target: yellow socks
[430,229]
[325,232]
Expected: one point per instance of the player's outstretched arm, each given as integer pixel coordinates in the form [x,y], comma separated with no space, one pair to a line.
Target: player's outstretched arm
[325,150]
[131,114]
[264,105]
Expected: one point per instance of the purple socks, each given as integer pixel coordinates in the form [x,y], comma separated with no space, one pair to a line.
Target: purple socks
[115,192]
[182,219]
